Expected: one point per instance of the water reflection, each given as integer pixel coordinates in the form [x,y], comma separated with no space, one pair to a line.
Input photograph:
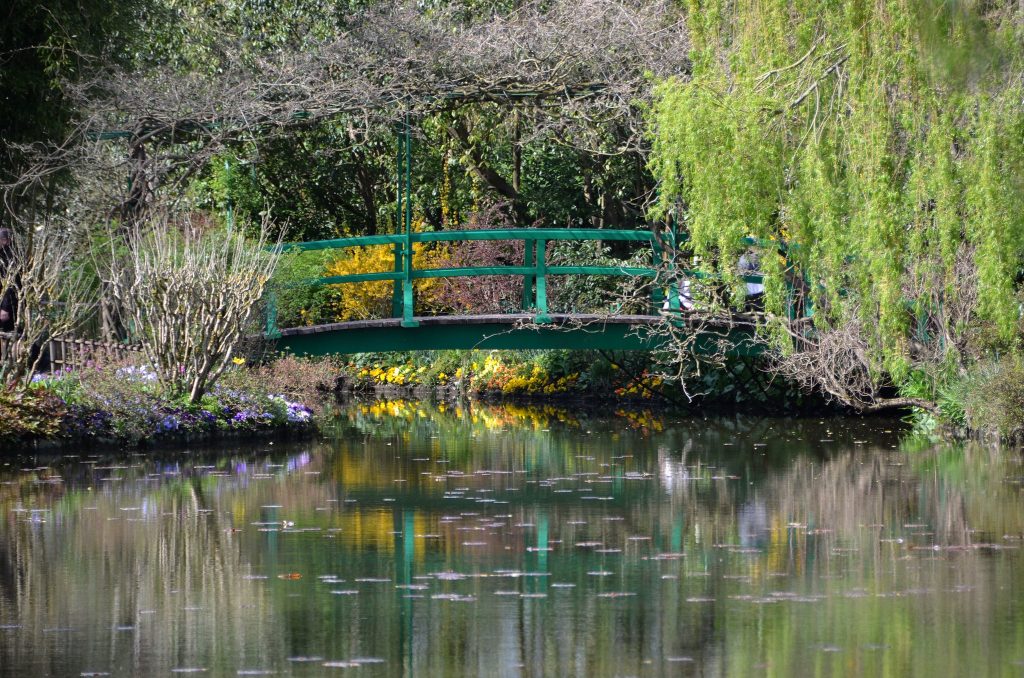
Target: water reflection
[507,540]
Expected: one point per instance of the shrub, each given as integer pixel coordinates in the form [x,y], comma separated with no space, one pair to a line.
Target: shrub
[26,414]
[490,293]
[306,380]
[993,398]
[190,293]
[298,302]
[593,293]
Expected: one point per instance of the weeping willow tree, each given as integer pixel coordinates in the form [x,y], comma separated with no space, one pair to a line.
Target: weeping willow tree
[877,147]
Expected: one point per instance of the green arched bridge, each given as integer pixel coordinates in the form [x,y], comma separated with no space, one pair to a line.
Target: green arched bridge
[532,327]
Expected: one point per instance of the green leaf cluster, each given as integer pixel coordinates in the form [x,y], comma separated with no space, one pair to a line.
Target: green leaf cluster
[885,138]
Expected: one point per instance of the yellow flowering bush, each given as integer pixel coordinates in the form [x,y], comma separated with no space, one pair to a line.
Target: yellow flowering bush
[518,379]
[506,373]
[357,301]
[643,386]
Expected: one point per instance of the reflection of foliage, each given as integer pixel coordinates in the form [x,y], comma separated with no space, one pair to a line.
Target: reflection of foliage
[390,417]
[845,547]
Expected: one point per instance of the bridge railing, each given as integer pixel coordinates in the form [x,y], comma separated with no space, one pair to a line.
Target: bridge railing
[534,268]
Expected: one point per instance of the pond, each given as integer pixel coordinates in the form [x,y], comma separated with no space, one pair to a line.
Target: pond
[432,540]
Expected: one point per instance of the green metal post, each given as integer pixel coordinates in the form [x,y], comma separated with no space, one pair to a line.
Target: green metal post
[658,291]
[529,257]
[272,330]
[408,302]
[542,316]
[396,293]
[674,303]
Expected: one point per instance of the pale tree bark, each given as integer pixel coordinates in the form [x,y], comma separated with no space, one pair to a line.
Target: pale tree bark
[191,292]
[54,294]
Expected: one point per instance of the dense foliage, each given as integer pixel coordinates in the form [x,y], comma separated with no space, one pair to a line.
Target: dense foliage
[886,139]
[602,375]
[872,149]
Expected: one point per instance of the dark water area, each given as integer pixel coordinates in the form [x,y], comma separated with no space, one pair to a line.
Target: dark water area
[431,540]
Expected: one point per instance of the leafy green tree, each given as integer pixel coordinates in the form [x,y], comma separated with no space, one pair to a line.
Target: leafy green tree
[44,46]
[885,139]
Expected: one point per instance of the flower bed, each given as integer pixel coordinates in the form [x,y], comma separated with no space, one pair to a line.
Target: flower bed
[124,404]
[504,373]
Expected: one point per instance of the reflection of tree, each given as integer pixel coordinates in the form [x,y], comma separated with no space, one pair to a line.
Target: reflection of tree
[145,537]
[750,528]
[884,491]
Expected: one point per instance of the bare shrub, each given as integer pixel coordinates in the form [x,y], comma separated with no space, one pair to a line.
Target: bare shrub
[55,294]
[306,380]
[489,293]
[839,363]
[191,294]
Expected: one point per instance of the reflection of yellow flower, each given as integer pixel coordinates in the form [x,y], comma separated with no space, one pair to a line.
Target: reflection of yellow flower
[238,361]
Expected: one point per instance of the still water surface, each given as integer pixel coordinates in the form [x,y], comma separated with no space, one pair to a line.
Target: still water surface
[508,541]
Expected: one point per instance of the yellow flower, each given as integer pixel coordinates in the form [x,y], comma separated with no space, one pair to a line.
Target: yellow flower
[238,361]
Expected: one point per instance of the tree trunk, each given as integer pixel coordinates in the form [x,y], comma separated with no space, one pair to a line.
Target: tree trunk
[488,175]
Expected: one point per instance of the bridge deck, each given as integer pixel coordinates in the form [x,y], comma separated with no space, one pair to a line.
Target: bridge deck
[506,331]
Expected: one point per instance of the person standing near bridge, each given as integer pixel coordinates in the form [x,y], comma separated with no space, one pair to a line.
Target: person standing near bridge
[750,270]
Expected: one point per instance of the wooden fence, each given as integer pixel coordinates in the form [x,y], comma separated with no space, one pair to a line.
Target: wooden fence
[65,353]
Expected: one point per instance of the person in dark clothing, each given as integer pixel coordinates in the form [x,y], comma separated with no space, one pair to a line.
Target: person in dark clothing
[8,283]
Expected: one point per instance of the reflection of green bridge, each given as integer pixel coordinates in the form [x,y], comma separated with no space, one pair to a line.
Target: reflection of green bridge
[532,327]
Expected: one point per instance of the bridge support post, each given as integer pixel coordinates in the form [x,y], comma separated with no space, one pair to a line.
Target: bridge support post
[396,293]
[405,215]
[272,330]
[408,303]
[665,257]
[540,275]
[529,258]
[657,263]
